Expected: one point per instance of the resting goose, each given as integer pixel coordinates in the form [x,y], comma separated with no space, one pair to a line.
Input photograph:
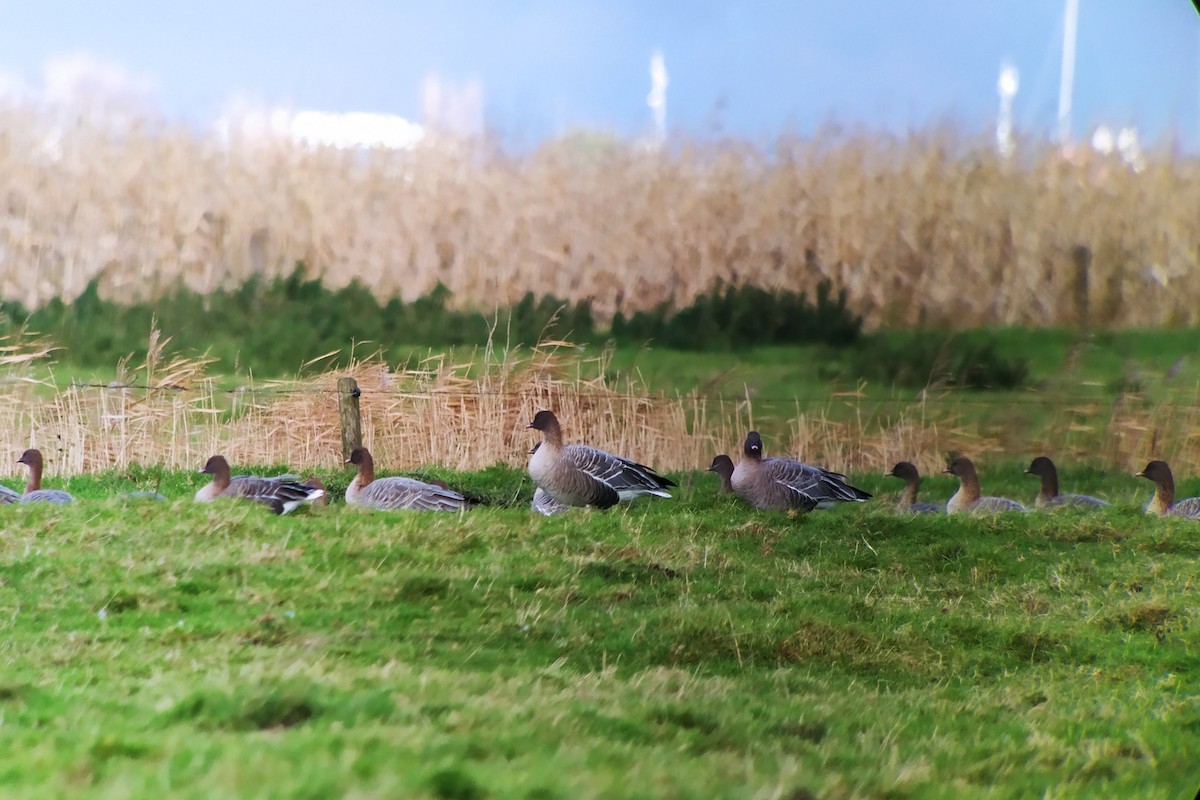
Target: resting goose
[907,472]
[34,493]
[1049,496]
[281,494]
[723,466]
[8,495]
[782,484]
[391,494]
[1163,503]
[577,475]
[967,499]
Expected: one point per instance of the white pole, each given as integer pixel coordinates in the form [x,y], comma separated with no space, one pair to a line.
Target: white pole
[657,99]
[1067,83]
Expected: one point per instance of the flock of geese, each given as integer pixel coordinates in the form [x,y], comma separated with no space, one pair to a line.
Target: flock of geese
[574,475]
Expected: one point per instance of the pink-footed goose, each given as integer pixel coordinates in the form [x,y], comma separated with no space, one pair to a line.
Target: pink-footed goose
[396,494]
[782,484]
[968,498]
[1163,503]
[281,494]
[1049,496]
[34,493]
[723,466]
[542,502]
[578,475]
[907,472]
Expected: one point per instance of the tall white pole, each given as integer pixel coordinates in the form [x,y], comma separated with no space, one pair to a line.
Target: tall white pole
[1067,83]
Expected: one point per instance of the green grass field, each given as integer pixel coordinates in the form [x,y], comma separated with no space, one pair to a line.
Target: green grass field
[678,648]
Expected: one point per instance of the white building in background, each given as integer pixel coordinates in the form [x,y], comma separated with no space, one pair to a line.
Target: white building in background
[355,130]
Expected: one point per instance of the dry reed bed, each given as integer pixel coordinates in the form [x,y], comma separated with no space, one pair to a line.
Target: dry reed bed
[473,413]
[934,227]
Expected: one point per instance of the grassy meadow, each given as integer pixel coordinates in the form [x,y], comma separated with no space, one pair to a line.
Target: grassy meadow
[682,648]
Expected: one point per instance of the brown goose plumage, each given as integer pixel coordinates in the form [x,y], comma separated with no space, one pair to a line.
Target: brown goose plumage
[281,495]
[968,498]
[1049,496]
[34,493]
[782,484]
[723,466]
[1163,503]
[396,494]
[577,475]
[907,472]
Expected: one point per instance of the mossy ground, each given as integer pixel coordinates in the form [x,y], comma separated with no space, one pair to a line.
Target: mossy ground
[682,648]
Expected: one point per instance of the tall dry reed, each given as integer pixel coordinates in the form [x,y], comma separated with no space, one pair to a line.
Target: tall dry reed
[471,411]
[932,227]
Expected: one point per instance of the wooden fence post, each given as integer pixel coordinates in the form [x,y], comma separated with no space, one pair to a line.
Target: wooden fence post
[348,394]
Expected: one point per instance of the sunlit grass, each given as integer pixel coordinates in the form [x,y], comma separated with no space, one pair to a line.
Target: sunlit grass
[687,647]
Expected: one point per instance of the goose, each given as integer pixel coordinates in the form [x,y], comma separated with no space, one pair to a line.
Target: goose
[723,466]
[8,495]
[546,505]
[389,494]
[543,503]
[967,499]
[34,493]
[907,472]
[281,494]
[316,483]
[578,475]
[1163,503]
[781,484]
[1049,496]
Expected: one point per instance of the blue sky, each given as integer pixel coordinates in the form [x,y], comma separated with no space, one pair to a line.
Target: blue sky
[754,69]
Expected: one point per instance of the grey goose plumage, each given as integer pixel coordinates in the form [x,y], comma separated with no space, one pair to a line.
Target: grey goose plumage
[34,493]
[783,484]
[1049,496]
[578,475]
[397,493]
[907,472]
[1163,503]
[8,495]
[969,499]
[280,494]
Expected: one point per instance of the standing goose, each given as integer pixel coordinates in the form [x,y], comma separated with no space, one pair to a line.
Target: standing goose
[723,466]
[967,499]
[281,494]
[1163,503]
[781,484]
[34,493]
[394,494]
[907,472]
[577,475]
[1049,496]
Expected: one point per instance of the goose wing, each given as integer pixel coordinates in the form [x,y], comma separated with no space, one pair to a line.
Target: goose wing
[626,478]
[47,496]
[8,495]
[820,486]
[274,492]
[1187,508]
[409,493]
[546,505]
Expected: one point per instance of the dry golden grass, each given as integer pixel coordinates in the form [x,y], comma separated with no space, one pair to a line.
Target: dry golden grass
[935,227]
[472,412]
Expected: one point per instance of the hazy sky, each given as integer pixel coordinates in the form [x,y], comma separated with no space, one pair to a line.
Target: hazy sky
[546,66]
